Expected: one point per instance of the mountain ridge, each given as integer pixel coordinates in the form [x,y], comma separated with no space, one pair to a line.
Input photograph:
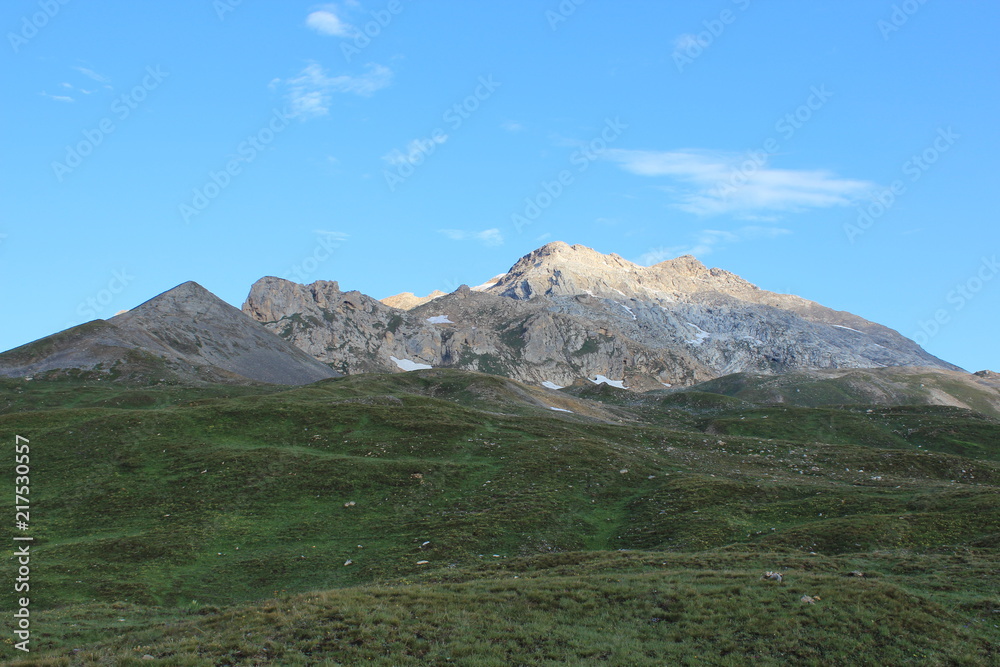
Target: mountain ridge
[186,333]
[562,313]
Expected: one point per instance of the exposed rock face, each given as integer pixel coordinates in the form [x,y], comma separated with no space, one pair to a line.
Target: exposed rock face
[348,330]
[187,333]
[568,312]
[409,300]
[989,377]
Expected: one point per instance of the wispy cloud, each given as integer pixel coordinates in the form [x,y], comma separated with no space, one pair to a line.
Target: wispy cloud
[707,240]
[70,86]
[100,78]
[326,22]
[71,89]
[512,126]
[414,151]
[310,93]
[57,98]
[713,183]
[491,237]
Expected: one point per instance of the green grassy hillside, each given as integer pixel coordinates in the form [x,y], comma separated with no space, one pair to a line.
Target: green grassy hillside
[445,517]
[870,387]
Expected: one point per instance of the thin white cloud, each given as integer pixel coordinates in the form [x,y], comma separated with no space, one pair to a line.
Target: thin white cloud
[83,91]
[100,78]
[57,98]
[491,237]
[310,93]
[415,150]
[713,183]
[512,126]
[707,240]
[326,22]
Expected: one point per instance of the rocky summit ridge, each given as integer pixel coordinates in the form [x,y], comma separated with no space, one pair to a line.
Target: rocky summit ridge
[568,313]
[185,334]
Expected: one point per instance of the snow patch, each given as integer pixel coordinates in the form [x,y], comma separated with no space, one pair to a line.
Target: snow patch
[548,384]
[439,319]
[408,365]
[849,329]
[614,383]
[560,410]
[699,337]
[666,384]
[628,309]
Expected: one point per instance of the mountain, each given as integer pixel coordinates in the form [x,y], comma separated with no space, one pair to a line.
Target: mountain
[565,313]
[186,334]
[408,300]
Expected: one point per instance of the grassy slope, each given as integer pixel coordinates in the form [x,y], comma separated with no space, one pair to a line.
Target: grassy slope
[869,387]
[224,508]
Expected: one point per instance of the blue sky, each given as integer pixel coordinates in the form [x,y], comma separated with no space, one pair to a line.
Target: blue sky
[844,151]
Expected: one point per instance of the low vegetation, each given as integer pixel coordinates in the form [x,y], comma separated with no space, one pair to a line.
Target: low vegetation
[447,517]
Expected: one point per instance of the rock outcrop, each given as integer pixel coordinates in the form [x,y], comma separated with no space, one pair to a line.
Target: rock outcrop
[564,312]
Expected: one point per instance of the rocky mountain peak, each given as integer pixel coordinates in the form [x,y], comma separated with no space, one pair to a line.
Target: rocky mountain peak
[685,265]
[409,300]
[270,297]
[559,269]
[565,312]
[186,332]
[186,296]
